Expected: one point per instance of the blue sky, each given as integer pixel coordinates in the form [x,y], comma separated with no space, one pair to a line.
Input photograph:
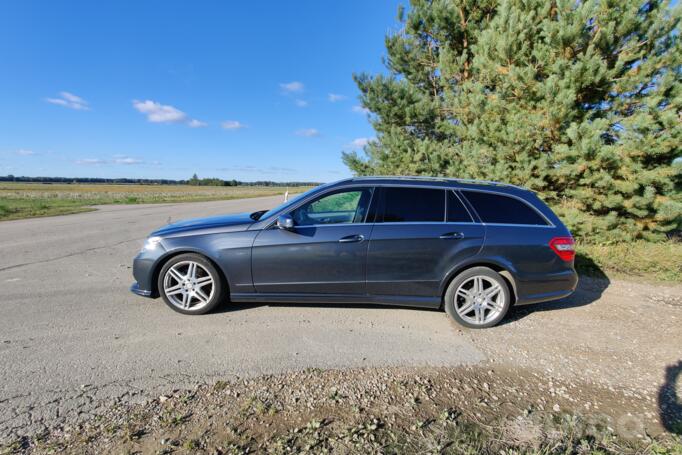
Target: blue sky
[161,89]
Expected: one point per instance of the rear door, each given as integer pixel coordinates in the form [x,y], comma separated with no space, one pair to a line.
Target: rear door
[420,234]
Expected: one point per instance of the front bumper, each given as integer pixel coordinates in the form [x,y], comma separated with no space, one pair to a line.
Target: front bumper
[135,289]
[144,265]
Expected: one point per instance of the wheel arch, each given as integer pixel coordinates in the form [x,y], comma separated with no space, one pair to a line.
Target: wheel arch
[158,265]
[505,270]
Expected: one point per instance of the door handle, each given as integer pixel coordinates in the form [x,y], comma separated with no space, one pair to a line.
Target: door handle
[352,238]
[452,235]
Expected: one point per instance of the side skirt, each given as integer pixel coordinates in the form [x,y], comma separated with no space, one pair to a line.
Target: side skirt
[397,300]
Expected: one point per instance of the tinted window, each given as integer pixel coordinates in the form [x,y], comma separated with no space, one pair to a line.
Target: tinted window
[495,208]
[413,204]
[456,211]
[346,206]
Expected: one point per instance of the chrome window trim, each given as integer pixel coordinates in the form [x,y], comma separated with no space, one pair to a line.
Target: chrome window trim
[397,223]
[270,223]
[400,223]
[418,222]
[548,226]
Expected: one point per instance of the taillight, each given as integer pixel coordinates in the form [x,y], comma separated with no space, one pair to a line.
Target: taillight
[564,247]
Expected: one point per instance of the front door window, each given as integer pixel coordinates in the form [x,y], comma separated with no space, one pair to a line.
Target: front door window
[341,207]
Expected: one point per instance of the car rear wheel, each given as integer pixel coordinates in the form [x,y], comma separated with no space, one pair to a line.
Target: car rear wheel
[190,284]
[477,298]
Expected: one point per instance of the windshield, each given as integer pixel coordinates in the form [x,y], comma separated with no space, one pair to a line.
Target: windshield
[291,202]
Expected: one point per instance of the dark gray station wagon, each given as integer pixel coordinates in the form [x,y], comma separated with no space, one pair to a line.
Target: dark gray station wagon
[473,248]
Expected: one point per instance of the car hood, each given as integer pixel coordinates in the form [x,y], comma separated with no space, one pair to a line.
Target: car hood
[234,222]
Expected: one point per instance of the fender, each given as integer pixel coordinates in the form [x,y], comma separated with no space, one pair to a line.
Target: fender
[158,264]
[497,263]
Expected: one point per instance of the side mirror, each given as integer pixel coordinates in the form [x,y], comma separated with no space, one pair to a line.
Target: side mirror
[285,222]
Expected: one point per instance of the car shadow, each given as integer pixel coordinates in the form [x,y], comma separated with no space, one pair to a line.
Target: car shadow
[669,402]
[591,285]
[588,291]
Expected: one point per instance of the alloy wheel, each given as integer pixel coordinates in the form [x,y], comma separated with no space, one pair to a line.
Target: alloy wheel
[188,285]
[479,300]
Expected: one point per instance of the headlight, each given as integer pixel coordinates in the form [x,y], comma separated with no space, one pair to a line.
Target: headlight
[151,243]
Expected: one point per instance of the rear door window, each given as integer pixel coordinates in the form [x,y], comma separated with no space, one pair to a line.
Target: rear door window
[457,213]
[500,209]
[405,205]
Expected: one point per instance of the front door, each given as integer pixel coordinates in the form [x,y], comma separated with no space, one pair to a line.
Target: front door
[325,252]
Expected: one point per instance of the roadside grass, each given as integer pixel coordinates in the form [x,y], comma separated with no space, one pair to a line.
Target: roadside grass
[640,259]
[28,200]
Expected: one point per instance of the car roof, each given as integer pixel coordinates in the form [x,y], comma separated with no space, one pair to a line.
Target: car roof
[444,182]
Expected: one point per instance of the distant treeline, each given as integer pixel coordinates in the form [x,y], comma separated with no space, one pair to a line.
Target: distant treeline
[193,181]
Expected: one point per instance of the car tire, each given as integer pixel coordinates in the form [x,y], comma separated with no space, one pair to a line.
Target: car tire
[190,284]
[477,298]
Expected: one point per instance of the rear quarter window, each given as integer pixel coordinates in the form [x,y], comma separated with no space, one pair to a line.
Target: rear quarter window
[456,211]
[501,209]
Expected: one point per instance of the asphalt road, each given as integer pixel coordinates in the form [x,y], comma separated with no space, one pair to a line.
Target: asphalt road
[73,339]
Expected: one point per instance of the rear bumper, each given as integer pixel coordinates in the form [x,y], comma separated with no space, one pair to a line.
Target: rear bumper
[557,286]
[135,289]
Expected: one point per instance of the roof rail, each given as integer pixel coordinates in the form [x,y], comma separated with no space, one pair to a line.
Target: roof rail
[430,178]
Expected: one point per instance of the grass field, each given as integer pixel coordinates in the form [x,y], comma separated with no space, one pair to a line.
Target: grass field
[27,200]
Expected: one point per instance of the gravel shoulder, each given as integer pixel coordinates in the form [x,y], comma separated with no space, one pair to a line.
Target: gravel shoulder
[485,408]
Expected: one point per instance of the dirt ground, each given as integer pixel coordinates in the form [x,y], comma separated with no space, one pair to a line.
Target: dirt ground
[621,335]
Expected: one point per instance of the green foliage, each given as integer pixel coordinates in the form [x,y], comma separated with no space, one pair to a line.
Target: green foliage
[579,101]
[196,181]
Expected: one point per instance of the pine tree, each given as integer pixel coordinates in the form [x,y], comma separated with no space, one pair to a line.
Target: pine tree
[580,101]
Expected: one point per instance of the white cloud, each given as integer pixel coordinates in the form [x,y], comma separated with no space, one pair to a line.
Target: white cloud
[127,160]
[160,113]
[259,170]
[292,87]
[165,113]
[194,123]
[301,103]
[334,97]
[360,142]
[69,100]
[117,159]
[232,125]
[307,132]
[91,161]
[23,152]
[360,109]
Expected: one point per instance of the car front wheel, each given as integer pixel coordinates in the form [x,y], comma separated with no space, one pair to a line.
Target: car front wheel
[190,284]
[477,298]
